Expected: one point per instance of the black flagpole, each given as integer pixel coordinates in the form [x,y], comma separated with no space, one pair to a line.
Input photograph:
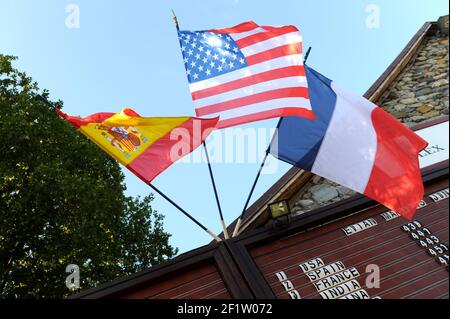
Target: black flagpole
[238,224]
[185,213]
[43,99]
[241,217]
[224,227]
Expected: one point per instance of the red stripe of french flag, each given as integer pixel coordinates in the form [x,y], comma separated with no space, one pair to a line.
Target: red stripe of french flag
[395,180]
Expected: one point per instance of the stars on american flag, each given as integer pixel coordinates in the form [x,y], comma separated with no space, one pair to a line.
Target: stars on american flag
[207,54]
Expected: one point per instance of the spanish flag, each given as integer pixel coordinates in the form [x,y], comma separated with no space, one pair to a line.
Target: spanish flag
[145,145]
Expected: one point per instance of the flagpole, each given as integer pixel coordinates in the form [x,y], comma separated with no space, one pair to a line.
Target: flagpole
[224,227]
[241,217]
[238,224]
[307,55]
[185,213]
[43,99]
[222,221]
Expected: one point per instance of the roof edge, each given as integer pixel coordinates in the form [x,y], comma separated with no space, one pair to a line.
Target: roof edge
[400,62]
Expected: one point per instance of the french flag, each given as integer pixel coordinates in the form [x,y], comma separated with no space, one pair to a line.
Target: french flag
[354,143]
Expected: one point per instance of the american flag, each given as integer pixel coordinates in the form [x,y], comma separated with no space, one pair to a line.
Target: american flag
[246,73]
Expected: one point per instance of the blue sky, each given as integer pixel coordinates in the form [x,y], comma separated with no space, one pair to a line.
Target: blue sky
[126,53]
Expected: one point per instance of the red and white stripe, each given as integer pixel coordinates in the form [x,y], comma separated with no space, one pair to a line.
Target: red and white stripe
[273,85]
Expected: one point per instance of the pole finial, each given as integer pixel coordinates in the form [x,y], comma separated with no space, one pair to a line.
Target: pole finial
[307,55]
[175,19]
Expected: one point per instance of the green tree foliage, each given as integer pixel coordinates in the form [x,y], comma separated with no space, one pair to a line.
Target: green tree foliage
[62,202]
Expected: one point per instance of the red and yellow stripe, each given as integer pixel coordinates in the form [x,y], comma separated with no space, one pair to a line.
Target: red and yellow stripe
[145,145]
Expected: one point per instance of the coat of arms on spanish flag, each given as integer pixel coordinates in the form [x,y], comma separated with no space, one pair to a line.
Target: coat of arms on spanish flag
[145,145]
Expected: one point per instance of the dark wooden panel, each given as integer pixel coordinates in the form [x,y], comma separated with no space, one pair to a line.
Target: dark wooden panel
[433,291]
[198,282]
[284,243]
[374,242]
[391,261]
[204,273]
[406,269]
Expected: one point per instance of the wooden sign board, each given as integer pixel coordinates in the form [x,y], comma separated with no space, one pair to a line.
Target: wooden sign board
[372,254]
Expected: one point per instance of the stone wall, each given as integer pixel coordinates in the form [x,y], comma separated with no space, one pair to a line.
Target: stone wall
[419,94]
[316,193]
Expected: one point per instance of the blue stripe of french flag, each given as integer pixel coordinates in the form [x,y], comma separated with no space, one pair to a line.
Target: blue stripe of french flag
[354,143]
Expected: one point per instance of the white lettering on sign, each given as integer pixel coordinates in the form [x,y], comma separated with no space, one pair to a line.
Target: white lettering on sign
[414,225]
[437,250]
[443,260]
[437,150]
[294,294]
[281,276]
[312,264]
[288,286]
[390,215]
[336,279]
[326,271]
[422,204]
[341,290]
[359,294]
[436,197]
[356,228]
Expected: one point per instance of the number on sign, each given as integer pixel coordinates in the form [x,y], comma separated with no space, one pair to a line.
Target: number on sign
[442,260]
[294,294]
[432,252]
[435,239]
[425,243]
[421,233]
[430,241]
[412,226]
[288,286]
[281,276]
[414,236]
[417,223]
